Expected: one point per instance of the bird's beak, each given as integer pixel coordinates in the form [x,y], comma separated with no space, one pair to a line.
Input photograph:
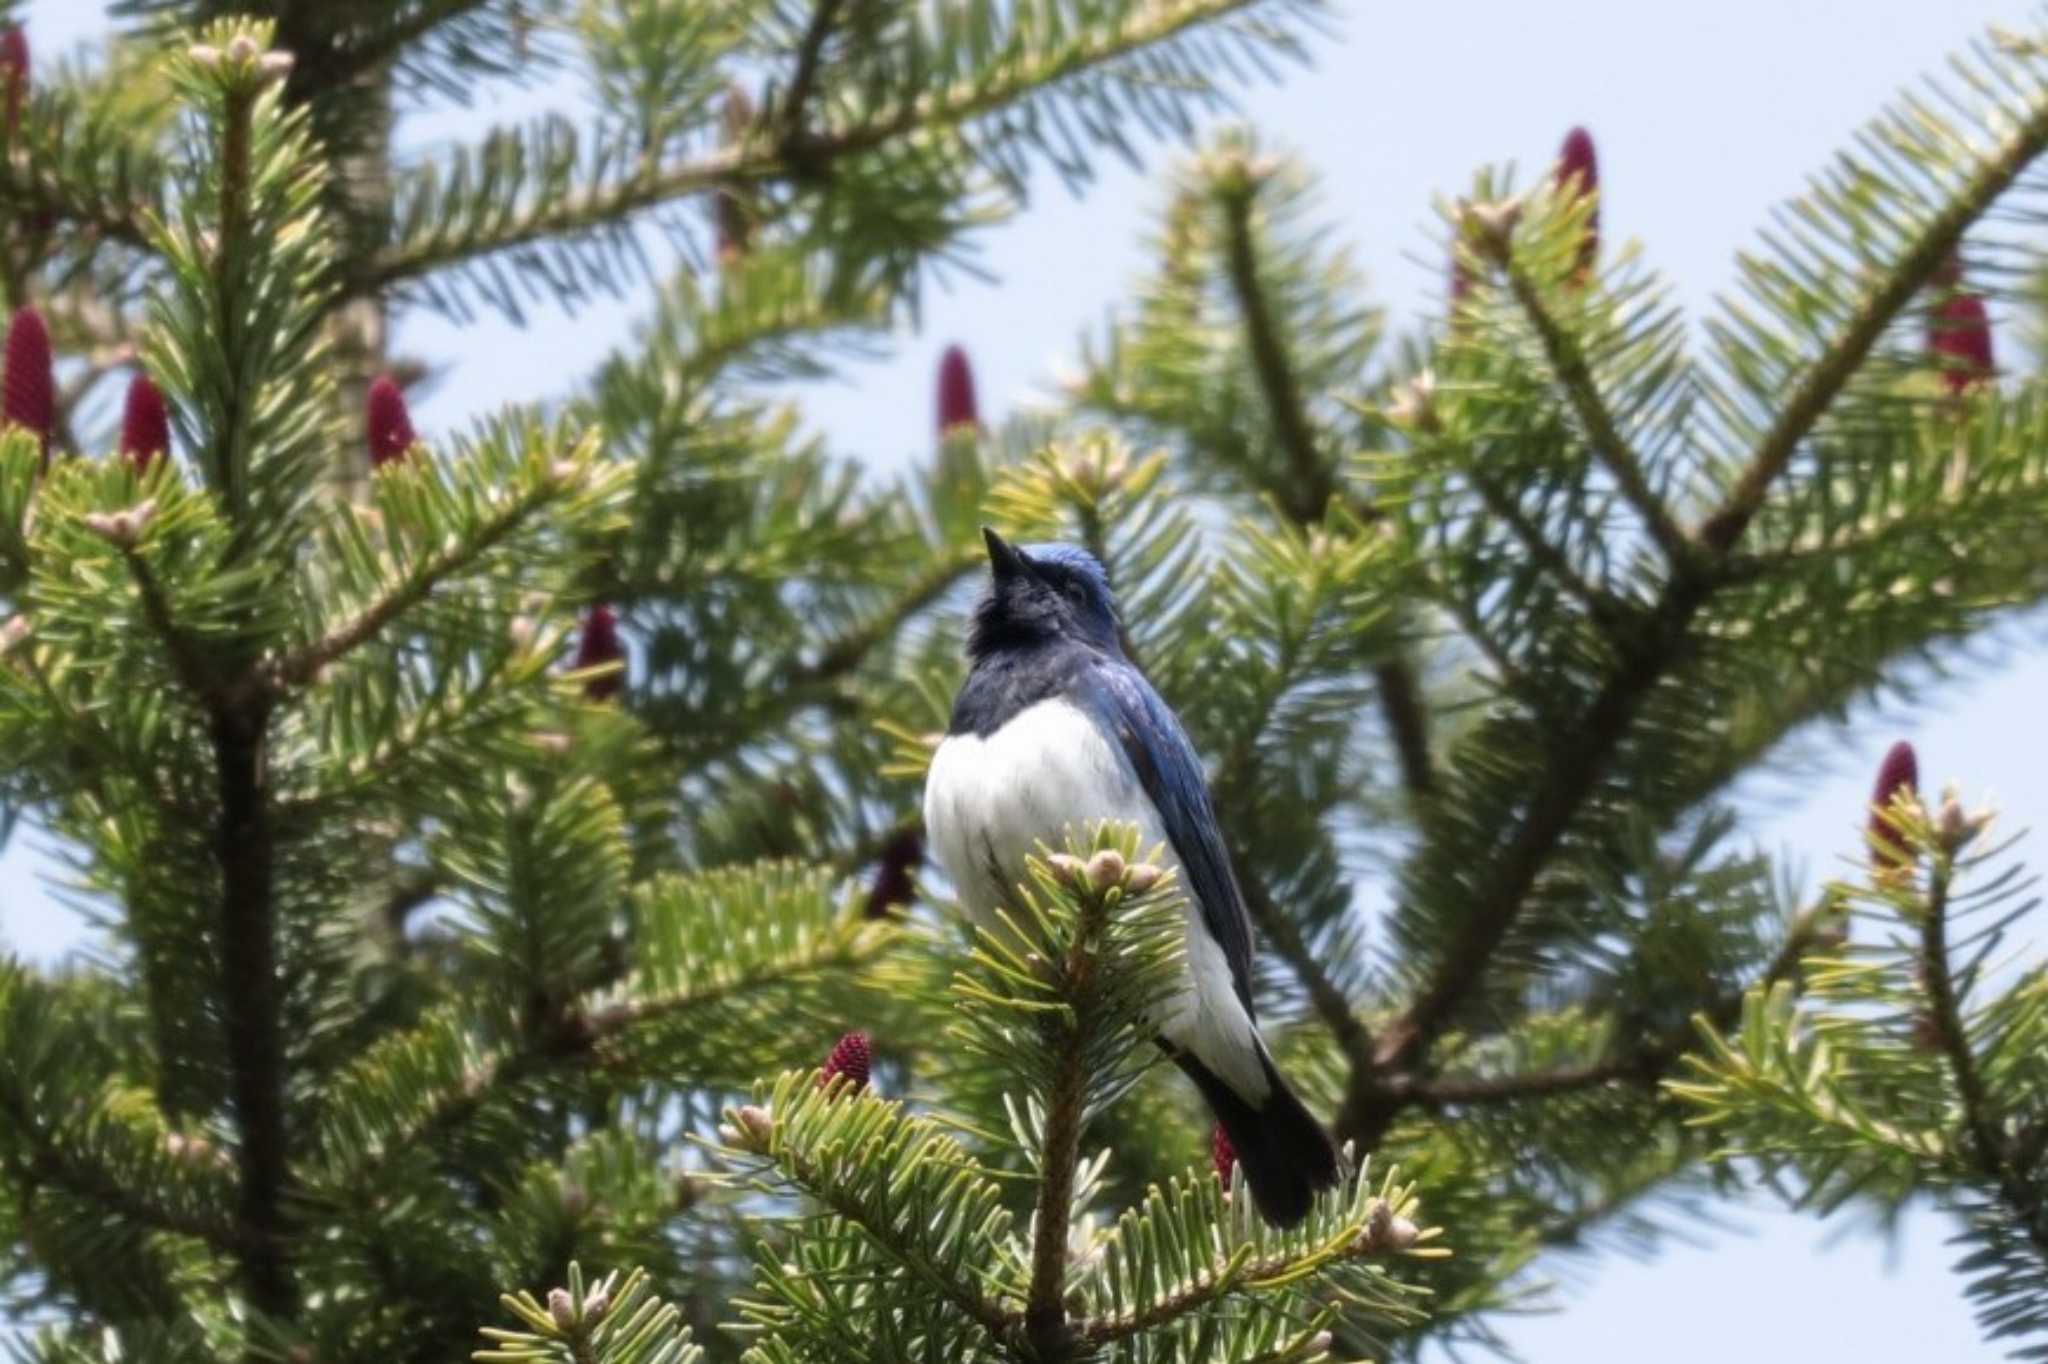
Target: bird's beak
[1003,559]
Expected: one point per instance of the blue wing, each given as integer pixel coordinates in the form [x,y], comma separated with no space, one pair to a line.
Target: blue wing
[1158,748]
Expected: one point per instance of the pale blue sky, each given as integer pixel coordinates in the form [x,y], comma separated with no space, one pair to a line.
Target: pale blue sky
[1705,115]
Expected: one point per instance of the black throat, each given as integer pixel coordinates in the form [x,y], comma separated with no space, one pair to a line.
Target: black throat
[1006,681]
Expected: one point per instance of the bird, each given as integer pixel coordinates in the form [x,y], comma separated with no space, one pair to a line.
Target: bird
[1054,727]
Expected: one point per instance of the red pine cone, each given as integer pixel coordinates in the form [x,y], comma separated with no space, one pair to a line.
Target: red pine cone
[957,407]
[1959,340]
[387,423]
[598,647]
[28,385]
[1900,771]
[902,855]
[145,425]
[849,1058]
[1222,1154]
[1576,162]
[14,61]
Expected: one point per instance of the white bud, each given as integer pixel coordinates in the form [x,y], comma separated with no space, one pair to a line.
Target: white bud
[275,65]
[1142,877]
[14,632]
[565,471]
[196,1152]
[1414,404]
[1384,1231]
[1954,826]
[755,1126]
[1106,869]
[121,527]
[562,1308]
[203,55]
[1066,867]
[1492,223]
[595,1306]
[242,49]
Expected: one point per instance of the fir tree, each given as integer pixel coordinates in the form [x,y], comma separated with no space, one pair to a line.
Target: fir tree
[504,848]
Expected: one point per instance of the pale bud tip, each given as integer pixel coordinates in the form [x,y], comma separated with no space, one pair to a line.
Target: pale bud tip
[1106,869]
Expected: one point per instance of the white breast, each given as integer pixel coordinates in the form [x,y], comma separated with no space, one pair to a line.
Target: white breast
[989,802]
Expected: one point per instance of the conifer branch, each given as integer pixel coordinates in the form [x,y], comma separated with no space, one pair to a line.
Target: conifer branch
[229,308]
[397,37]
[1577,763]
[252,1004]
[244,849]
[57,1164]
[1045,1309]
[814,683]
[1278,930]
[1241,1276]
[1407,717]
[804,79]
[653,185]
[1988,1150]
[1568,363]
[1648,1064]
[1569,1230]
[1544,553]
[573,1035]
[1578,756]
[30,188]
[302,665]
[1306,500]
[1824,380]
[848,652]
[186,661]
[1462,1091]
[1000,1325]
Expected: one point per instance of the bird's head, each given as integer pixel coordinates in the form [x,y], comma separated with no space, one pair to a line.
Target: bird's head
[1041,593]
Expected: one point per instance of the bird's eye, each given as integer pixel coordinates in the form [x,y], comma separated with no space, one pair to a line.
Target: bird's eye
[1076,594]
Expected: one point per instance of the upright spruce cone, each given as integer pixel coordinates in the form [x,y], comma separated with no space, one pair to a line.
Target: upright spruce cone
[387,424]
[849,1058]
[901,856]
[1222,1154]
[957,407]
[14,65]
[1959,340]
[1578,170]
[145,425]
[28,385]
[600,646]
[1900,771]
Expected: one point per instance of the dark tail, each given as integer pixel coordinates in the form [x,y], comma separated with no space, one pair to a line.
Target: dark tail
[1282,1151]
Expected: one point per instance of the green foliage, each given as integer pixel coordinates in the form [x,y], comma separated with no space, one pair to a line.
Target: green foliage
[916,1254]
[422,972]
[1907,1067]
